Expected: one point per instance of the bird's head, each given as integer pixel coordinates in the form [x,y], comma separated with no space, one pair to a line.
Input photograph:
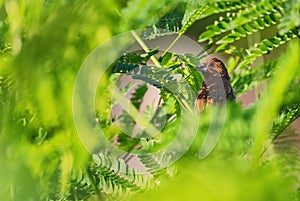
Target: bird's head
[213,67]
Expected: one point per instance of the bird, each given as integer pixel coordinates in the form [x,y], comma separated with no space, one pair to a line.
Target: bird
[216,88]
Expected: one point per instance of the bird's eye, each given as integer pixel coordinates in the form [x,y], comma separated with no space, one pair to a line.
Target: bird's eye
[211,65]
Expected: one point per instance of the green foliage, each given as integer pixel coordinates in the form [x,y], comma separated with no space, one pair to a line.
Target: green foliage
[244,80]
[216,180]
[140,13]
[275,92]
[286,117]
[291,19]
[129,61]
[193,17]
[267,45]
[42,46]
[244,21]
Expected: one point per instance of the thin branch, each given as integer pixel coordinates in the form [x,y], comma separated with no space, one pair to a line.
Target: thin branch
[172,44]
[144,46]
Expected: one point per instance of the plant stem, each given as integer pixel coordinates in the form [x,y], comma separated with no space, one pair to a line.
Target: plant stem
[97,191]
[172,44]
[144,46]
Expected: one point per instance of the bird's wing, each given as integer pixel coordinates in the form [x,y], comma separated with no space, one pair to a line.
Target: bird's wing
[200,104]
[230,95]
[201,100]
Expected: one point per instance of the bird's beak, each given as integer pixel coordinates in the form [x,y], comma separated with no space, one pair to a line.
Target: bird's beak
[202,68]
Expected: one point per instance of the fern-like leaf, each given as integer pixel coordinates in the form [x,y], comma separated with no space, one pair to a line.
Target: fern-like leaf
[118,173]
[130,61]
[291,18]
[194,16]
[287,116]
[244,22]
[267,45]
[260,23]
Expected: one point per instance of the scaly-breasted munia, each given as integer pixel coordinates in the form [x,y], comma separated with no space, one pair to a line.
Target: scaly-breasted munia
[216,87]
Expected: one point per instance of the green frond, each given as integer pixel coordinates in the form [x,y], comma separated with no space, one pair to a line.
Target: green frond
[116,173]
[167,24]
[137,96]
[267,111]
[130,61]
[287,116]
[244,80]
[157,77]
[141,14]
[153,164]
[216,7]
[231,50]
[106,178]
[291,18]
[260,23]
[290,109]
[243,22]
[193,17]
[267,45]
[207,8]
[192,76]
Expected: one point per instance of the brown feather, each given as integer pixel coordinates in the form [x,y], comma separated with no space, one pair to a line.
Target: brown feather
[216,87]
